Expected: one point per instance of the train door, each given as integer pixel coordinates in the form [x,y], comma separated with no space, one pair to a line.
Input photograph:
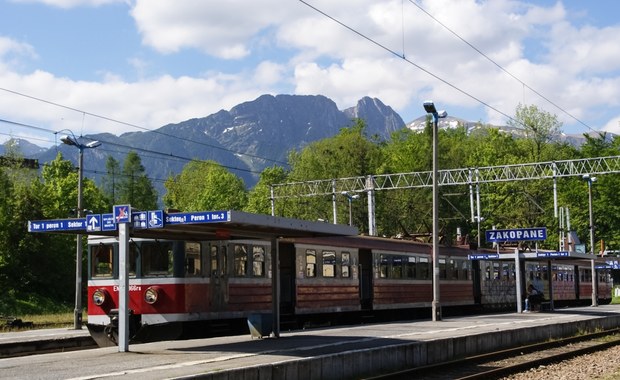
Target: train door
[365,278]
[287,278]
[219,276]
[477,281]
[577,281]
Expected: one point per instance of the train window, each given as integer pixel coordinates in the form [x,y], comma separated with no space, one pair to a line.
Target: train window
[329,263]
[423,268]
[241,260]
[442,268]
[310,263]
[193,262]
[134,257]
[258,261]
[496,271]
[453,269]
[397,267]
[214,260]
[410,267]
[465,272]
[346,262]
[383,266]
[101,260]
[156,258]
[506,274]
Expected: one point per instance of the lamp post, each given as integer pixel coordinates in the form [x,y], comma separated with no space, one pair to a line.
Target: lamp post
[77,312]
[429,107]
[589,179]
[350,198]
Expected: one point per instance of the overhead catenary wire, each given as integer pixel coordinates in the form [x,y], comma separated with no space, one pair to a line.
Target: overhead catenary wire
[525,85]
[401,56]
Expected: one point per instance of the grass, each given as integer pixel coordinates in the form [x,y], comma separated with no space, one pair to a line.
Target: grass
[42,321]
[615,300]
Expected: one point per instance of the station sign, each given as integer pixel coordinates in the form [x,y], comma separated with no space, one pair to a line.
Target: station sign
[138,219]
[122,214]
[483,256]
[93,222]
[197,217]
[53,225]
[108,222]
[518,234]
[148,219]
[553,254]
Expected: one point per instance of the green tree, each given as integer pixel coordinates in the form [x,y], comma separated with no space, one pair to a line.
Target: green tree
[135,188]
[111,181]
[348,154]
[539,127]
[205,185]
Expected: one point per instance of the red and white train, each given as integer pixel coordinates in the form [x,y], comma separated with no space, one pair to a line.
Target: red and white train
[185,288]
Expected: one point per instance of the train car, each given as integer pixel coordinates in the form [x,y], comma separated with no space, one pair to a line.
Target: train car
[570,282]
[187,288]
[173,284]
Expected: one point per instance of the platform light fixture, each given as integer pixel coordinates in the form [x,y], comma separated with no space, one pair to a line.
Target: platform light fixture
[73,141]
[429,107]
[350,197]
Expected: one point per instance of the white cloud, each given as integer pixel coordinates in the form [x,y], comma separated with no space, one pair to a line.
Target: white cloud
[576,67]
[12,52]
[613,125]
[223,29]
[66,4]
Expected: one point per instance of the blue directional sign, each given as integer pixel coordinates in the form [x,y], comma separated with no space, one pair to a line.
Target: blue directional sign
[139,219]
[519,234]
[122,214]
[108,223]
[155,219]
[93,222]
[483,256]
[553,254]
[197,217]
[57,225]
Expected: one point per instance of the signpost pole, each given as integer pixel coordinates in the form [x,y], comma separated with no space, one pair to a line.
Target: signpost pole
[122,215]
[518,280]
[123,288]
[275,287]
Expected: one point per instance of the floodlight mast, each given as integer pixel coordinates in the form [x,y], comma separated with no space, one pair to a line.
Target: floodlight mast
[429,107]
[589,179]
[73,141]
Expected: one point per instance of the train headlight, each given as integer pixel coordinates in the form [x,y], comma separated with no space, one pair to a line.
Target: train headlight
[150,295]
[99,297]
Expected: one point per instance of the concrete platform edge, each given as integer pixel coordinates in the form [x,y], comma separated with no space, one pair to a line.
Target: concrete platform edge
[355,364]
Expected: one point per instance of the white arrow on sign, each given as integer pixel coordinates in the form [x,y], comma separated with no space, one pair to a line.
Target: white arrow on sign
[93,222]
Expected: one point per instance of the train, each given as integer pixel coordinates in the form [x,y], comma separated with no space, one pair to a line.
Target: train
[183,289]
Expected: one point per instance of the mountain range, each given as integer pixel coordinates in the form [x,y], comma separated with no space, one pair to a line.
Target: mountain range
[250,137]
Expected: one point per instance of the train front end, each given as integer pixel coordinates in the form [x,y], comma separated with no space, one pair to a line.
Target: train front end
[159,292]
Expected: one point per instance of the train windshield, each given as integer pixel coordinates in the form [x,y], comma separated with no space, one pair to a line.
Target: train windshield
[156,258]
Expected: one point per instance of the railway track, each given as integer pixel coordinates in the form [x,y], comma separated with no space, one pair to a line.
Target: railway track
[511,361]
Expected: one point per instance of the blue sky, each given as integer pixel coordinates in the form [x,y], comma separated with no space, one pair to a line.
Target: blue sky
[147,63]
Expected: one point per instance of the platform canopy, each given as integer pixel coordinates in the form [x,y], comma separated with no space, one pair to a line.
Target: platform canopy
[202,225]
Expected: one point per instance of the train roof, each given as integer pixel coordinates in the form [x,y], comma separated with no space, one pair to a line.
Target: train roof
[375,243]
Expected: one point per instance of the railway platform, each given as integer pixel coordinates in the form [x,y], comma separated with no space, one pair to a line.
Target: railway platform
[349,352]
